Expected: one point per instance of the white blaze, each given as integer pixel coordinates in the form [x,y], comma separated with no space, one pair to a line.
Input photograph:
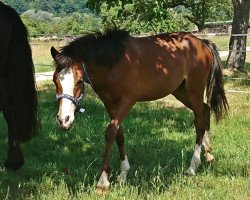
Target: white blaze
[66,79]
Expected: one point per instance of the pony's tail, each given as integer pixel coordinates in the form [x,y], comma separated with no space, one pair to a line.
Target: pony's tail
[216,97]
[22,82]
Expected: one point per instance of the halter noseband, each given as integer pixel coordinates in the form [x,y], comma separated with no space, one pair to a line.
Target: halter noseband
[76,101]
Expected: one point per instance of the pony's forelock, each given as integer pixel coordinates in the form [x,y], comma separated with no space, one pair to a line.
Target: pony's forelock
[62,61]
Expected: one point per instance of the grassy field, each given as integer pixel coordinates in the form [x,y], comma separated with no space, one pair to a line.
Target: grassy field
[159,138]
[41,54]
[222,42]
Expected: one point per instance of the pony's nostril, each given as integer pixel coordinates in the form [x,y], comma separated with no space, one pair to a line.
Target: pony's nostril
[66,119]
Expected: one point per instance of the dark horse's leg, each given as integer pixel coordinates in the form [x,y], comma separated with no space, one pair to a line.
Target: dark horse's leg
[15,157]
[117,110]
[193,99]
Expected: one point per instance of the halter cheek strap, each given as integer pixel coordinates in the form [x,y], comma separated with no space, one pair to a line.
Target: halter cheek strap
[86,76]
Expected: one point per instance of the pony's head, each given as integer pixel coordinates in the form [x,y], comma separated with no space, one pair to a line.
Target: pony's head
[68,79]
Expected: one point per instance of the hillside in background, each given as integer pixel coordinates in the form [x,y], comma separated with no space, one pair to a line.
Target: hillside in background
[57,8]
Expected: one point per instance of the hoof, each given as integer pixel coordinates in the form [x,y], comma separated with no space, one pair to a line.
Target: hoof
[190,172]
[210,158]
[15,159]
[121,179]
[101,191]
[103,183]
[13,165]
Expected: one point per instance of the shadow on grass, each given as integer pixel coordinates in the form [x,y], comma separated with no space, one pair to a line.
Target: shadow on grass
[159,141]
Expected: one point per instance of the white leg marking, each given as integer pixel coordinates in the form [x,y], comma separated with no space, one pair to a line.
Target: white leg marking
[196,161]
[124,170]
[205,142]
[103,182]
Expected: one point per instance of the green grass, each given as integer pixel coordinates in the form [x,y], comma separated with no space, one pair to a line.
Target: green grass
[222,42]
[41,54]
[159,139]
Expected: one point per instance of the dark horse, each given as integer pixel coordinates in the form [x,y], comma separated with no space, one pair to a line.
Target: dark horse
[18,100]
[123,70]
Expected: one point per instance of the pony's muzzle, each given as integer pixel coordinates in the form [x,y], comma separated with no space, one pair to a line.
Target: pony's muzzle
[59,121]
[65,122]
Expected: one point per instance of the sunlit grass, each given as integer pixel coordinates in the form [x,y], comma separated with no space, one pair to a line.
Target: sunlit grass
[159,139]
[41,54]
[222,42]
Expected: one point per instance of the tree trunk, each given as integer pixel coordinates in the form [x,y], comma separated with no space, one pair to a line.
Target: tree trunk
[237,44]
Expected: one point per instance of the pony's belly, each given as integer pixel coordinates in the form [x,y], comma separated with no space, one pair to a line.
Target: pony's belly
[156,94]
[159,89]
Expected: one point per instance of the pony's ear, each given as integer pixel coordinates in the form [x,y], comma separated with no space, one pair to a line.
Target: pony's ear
[54,52]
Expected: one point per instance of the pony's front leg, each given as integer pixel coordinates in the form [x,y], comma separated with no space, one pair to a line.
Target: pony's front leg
[123,156]
[117,110]
[110,136]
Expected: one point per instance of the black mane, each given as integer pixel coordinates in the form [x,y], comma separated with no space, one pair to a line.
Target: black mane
[104,49]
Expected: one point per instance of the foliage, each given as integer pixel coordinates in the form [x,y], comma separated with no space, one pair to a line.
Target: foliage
[42,22]
[56,17]
[19,5]
[157,13]
[143,16]
[58,8]
[202,11]
[152,19]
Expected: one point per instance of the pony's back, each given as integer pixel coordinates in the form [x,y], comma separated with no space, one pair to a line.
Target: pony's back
[17,72]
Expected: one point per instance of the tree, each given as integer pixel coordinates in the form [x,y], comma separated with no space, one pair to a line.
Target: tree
[196,11]
[19,5]
[59,7]
[237,44]
[153,18]
[202,11]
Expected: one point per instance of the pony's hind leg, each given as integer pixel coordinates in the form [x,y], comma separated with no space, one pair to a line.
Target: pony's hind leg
[206,141]
[200,130]
[193,99]
[202,126]
[15,158]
